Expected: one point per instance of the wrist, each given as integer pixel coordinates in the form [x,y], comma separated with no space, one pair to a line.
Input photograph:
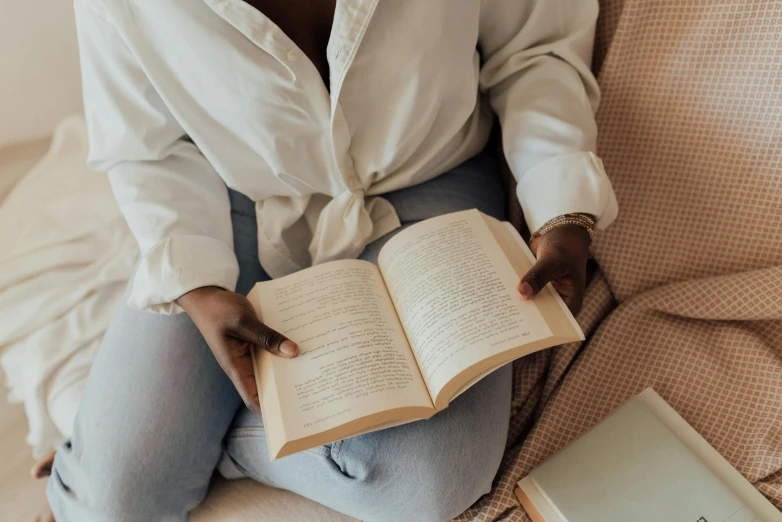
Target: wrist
[190,300]
[577,234]
[571,239]
[585,222]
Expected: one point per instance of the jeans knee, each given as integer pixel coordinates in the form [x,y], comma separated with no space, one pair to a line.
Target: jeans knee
[438,489]
[449,497]
[117,489]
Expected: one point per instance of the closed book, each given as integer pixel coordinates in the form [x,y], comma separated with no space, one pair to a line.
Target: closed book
[643,463]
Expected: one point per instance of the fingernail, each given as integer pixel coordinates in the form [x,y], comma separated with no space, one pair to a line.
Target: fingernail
[289,348]
[526,291]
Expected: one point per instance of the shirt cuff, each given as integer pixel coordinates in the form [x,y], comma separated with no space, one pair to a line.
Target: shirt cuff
[177,265]
[570,183]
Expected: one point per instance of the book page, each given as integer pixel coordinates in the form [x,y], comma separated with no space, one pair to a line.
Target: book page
[354,359]
[550,305]
[455,293]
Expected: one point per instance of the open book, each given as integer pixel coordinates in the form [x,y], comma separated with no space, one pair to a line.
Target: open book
[394,343]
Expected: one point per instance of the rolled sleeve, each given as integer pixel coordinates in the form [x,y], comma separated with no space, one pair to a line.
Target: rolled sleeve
[567,184]
[177,265]
[173,200]
[537,74]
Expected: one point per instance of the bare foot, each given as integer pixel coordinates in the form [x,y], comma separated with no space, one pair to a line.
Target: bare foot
[41,469]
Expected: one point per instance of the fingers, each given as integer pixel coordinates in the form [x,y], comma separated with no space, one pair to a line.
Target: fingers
[562,257]
[562,267]
[249,331]
[43,468]
[240,369]
[254,331]
[572,294]
[231,328]
[545,270]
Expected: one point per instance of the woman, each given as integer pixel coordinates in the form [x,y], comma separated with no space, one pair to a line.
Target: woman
[248,140]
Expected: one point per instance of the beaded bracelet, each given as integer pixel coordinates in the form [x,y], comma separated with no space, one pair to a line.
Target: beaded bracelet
[585,221]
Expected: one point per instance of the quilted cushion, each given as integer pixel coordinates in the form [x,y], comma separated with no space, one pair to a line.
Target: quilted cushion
[688,300]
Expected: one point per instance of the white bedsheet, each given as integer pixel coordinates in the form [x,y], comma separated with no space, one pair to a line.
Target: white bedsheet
[66,256]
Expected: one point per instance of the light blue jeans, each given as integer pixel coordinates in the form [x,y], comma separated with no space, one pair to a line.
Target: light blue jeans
[158,414]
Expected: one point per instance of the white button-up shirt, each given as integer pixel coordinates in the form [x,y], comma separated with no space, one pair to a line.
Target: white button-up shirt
[185,98]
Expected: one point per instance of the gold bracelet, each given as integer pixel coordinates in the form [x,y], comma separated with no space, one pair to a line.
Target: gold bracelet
[585,221]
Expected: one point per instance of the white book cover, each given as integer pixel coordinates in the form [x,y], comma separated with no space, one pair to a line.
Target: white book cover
[643,463]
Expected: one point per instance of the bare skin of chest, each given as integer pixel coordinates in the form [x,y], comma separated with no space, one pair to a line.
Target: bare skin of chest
[306,22]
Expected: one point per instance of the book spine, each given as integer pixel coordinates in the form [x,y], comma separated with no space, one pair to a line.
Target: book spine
[536,503]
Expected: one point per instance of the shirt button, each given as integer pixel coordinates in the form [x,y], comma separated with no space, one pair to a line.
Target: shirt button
[293,55]
[353,182]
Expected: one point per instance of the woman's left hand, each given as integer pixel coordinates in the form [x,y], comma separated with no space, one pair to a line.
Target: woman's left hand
[562,255]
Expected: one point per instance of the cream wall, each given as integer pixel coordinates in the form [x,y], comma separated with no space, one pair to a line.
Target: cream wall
[39,67]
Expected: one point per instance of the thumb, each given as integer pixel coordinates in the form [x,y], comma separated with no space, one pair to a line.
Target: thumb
[543,272]
[254,331]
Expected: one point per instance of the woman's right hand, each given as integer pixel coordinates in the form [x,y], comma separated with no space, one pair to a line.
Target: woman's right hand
[230,326]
